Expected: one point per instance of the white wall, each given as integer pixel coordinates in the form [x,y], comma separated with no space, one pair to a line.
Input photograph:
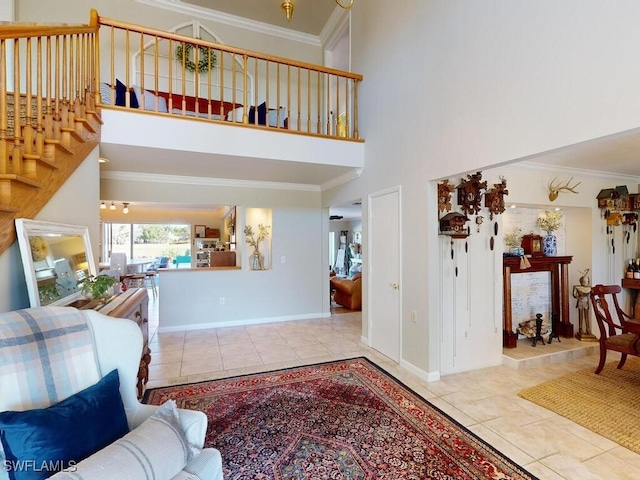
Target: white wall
[454,86]
[76,203]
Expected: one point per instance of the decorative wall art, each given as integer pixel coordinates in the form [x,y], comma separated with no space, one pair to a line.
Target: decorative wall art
[555,190]
[470,193]
[494,198]
[444,196]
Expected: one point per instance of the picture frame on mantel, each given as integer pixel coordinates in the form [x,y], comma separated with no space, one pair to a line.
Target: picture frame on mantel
[199,230]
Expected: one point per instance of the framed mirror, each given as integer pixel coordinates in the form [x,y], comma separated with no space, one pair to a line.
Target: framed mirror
[55,258]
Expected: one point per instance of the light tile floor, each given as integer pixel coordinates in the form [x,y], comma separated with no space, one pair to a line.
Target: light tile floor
[485,401]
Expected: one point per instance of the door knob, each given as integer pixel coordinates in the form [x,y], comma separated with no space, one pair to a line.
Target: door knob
[395,286]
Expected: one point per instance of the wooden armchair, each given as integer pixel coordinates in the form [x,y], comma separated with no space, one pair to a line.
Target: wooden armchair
[613,336]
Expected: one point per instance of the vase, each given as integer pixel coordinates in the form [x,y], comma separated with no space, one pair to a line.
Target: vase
[550,247]
[255,261]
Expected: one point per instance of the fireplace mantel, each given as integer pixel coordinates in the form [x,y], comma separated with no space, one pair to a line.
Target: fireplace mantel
[558,266]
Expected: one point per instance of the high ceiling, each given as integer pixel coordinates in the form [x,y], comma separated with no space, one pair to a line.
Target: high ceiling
[309,16]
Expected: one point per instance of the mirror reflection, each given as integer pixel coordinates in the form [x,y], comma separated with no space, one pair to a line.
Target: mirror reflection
[56,257]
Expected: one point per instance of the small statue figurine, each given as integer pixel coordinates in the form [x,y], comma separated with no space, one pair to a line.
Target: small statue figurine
[581,293]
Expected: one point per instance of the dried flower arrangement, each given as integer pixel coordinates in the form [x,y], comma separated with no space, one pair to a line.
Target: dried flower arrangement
[550,221]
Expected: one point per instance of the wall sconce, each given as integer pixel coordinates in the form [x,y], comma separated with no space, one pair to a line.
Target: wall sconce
[112,206]
[125,207]
[103,206]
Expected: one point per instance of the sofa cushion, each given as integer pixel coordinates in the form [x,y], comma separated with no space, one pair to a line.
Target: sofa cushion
[156,449]
[43,441]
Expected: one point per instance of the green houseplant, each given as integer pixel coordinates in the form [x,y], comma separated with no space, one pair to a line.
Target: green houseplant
[97,286]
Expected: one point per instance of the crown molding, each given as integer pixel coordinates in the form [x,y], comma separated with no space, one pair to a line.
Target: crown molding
[337,21]
[344,178]
[207,181]
[542,167]
[233,20]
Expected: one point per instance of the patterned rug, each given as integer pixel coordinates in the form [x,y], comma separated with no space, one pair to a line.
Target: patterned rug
[346,420]
[607,404]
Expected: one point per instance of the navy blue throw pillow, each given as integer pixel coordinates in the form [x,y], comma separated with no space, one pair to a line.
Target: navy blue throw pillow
[38,443]
[262,114]
[121,98]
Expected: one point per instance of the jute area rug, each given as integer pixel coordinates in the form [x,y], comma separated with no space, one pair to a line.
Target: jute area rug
[340,420]
[608,403]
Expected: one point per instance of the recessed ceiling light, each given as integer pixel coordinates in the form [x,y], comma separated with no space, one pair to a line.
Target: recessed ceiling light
[514,206]
[103,160]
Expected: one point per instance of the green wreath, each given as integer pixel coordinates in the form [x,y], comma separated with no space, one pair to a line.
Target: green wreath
[207,58]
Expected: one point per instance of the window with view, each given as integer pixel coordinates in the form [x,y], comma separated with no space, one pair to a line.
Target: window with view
[146,240]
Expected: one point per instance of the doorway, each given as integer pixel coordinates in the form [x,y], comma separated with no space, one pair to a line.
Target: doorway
[384,272]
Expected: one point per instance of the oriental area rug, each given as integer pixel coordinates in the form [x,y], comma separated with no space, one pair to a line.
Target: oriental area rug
[607,404]
[345,420]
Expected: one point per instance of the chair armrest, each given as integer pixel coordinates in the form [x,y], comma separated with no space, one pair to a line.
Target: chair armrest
[194,423]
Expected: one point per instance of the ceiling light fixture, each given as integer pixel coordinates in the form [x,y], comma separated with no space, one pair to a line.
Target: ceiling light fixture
[103,206]
[112,206]
[125,207]
[287,6]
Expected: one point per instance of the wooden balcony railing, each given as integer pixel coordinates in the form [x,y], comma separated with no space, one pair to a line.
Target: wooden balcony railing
[48,121]
[173,74]
[47,74]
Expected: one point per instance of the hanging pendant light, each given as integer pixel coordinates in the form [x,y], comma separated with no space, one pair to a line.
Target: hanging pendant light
[125,207]
[287,6]
[112,206]
[103,206]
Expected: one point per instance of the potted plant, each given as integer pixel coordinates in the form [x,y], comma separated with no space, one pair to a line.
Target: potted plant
[513,240]
[97,286]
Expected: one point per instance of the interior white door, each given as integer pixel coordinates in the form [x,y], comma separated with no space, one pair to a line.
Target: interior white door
[384,272]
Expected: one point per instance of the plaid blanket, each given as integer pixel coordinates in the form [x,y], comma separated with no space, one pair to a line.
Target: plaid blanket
[46,355]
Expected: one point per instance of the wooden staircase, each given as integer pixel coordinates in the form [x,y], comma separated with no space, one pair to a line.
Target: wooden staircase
[49,122]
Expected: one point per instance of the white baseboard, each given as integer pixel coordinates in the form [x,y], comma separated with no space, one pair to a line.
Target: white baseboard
[240,323]
[427,376]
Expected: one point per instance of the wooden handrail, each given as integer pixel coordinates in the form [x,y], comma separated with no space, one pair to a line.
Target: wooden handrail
[226,48]
[298,97]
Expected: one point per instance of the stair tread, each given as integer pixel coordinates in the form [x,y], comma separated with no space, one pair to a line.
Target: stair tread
[20,178]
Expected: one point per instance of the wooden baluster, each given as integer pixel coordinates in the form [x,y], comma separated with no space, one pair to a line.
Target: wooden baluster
[141,73]
[196,77]
[308,101]
[328,107]
[64,107]
[39,140]
[245,96]
[127,81]
[255,92]
[27,129]
[171,60]
[266,88]
[222,112]
[112,67]
[289,91]
[278,88]
[48,121]
[156,69]
[299,98]
[337,115]
[4,148]
[16,154]
[319,105]
[347,117]
[210,63]
[72,94]
[184,83]
[355,110]
[57,134]
[233,83]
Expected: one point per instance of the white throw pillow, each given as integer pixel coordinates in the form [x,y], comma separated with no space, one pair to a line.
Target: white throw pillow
[156,449]
[273,117]
[150,100]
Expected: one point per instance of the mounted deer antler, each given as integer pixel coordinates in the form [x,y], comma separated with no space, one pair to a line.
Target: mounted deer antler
[554,190]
